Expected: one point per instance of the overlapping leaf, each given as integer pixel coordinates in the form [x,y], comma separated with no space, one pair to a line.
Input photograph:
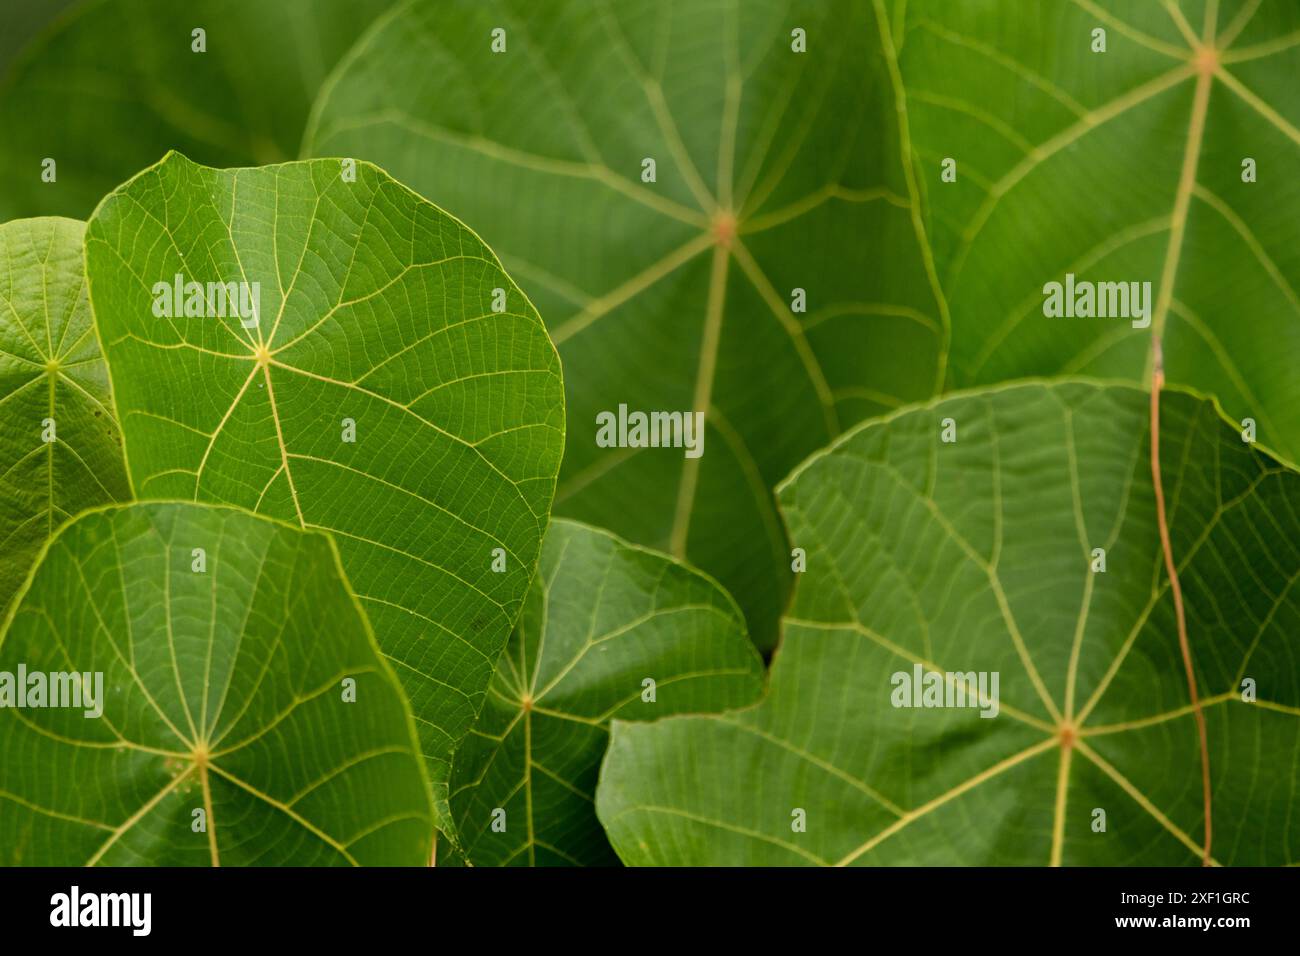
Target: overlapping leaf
[775,170]
[53,385]
[226,734]
[978,556]
[603,618]
[116,83]
[378,396]
[1119,166]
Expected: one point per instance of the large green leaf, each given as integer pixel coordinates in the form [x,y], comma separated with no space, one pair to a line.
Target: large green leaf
[116,83]
[977,556]
[602,617]
[376,315]
[775,170]
[53,384]
[224,689]
[1117,166]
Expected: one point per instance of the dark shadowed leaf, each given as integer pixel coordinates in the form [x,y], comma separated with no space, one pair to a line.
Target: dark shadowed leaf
[977,557]
[114,84]
[19,22]
[603,618]
[775,170]
[1123,166]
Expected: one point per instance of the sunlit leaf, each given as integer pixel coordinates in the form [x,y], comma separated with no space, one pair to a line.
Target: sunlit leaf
[377,395]
[221,650]
[53,385]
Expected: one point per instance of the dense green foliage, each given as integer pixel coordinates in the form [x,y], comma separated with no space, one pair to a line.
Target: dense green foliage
[941,352]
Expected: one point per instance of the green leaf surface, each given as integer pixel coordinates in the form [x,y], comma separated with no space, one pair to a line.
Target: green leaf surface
[976,556]
[50,369]
[601,618]
[774,170]
[115,83]
[222,691]
[375,310]
[1117,166]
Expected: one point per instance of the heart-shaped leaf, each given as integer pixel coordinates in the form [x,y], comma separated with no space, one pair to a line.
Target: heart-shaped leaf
[232,706]
[59,447]
[116,83]
[698,195]
[1026,548]
[609,630]
[376,393]
[1167,159]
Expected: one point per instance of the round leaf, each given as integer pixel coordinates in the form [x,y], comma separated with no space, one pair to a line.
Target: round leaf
[369,389]
[939,565]
[245,713]
[739,278]
[609,630]
[60,450]
[1167,159]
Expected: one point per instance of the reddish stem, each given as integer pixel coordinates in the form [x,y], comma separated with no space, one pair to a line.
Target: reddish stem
[1157,383]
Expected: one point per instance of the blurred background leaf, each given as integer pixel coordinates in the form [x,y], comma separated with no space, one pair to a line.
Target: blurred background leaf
[221,688]
[20,21]
[776,170]
[111,85]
